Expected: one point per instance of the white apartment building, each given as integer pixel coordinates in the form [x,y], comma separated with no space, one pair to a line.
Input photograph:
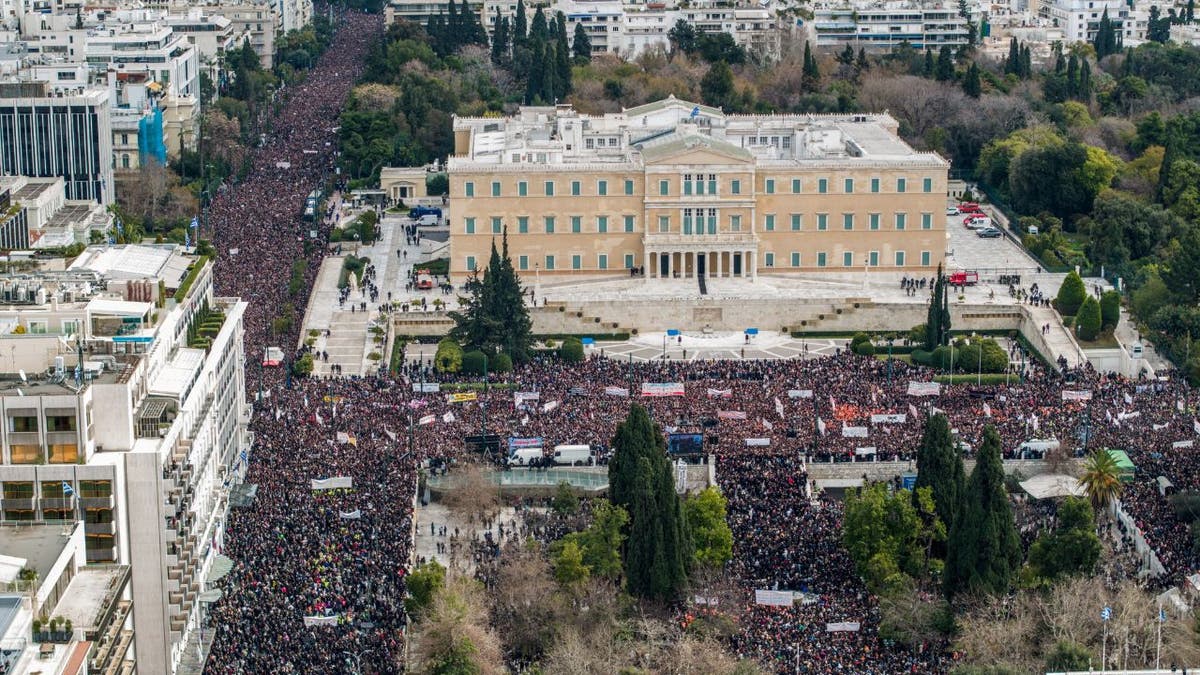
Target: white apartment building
[212,35]
[1080,19]
[36,214]
[293,14]
[257,22]
[124,378]
[884,25]
[150,47]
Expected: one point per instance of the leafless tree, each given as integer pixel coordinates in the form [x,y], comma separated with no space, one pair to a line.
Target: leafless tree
[456,621]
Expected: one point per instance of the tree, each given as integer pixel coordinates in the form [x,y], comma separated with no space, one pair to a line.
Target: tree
[811,72]
[1101,479]
[682,37]
[1088,321]
[449,356]
[493,316]
[940,468]
[1182,271]
[571,350]
[972,84]
[716,87]
[454,636]
[500,40]
[569,569]
[889,535]
[425,581]
[582,46]
[601,542]
[1106,37]
[927,70]
[1072,548]
[565,503]
[1012,64]
[984,551]
[641,479]
[1068,656]
[474,362]
[710,534]
[1071,294]
[937,323]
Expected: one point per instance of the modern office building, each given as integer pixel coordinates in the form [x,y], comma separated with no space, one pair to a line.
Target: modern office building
[884,25]
[124,406]
[67,135]
[681,189]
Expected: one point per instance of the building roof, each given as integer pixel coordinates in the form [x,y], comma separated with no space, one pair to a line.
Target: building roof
[39,546]
[678,143]
[1047,486]
[112,307]
[90,593]
[670,102]
[135,261]
[175,378]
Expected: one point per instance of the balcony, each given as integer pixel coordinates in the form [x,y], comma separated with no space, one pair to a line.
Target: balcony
[699,242]
[101,555]
[18,504]
[109,528]
[58,503]
[96,502]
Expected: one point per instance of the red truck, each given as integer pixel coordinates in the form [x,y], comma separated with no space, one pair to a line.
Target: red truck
[964,278]
[424,280]
[969,207]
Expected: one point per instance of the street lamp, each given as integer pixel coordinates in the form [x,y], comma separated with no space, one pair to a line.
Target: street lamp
[357,656]
[866,266]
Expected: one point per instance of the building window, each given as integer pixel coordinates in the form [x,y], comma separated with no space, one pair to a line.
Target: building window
[496,225]
[664,188]
[602,188]
[523,263]
[735,187]
[795,186]
[925,258]
[664,223]
[495,188]
[901,184]
[712,221]
[769,223]
[37,327]
[899,258]
[602,261]
[849,186]
[735,223]
[873,257]
[712,183]
[874,220]
[822,222]
[469,189]
[770,186]
[70,326]
[124,161]
[687,219]
[64,453]
[847,221]
[576,224]
[795,258]
[549,188]
[796,222]
[900,221]
[574,188]
[628,261]
[602,224]
[822,185]
[769,259]
[470,226]
[549,224]
[874,185]
[470,263]
[848,259]
[927,185]
[522,189]
[523,224]
[687,184]
[628,187]
[576,262]
[628,224]
[549,262]
[926,221]
[821,259]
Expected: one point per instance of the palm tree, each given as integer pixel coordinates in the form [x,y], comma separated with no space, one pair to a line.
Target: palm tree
[1100,479]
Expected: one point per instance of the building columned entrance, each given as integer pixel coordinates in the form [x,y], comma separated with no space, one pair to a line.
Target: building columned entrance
[690,262]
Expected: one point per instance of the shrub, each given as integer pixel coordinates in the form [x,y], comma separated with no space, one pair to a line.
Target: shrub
[1110,309]
[916,334]
[449,357]
[864,348]
[502,363]
[1070,295]
[571,350]
[1088,320]
[474,362]
[922,357]
[858,339]
[303,365]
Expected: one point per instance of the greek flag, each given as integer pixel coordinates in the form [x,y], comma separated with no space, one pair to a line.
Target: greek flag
[1162,615]
[67,489]
[195,222]
[695,112]
[187,239]
[1106,613]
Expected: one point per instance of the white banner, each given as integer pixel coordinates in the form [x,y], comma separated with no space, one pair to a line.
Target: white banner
[1183,444]
[351,515]
[912,410]
[322,620]
[778,407]
[1160,427]
[427,419]
[616,391]
[864,451]
[718,393]
[757,442]
[854,432]
[842,627]
[774,598]
[1125,416]
[1076,395]
[448,417]
[426,387]
[549,405]
[924,389]
[332,483]
[662,389]
[710,601]
[889,419]
[520,397]
[731,415]
[800,393]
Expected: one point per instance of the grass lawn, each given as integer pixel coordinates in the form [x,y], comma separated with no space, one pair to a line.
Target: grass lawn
[1105,340]
[895,357]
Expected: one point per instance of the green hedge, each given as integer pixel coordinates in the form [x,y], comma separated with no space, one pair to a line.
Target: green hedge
[193,272]
[560,337]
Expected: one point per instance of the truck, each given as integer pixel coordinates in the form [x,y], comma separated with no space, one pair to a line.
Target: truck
[417,211]
[964,278]
[525,456]
[424,280]
[572,455]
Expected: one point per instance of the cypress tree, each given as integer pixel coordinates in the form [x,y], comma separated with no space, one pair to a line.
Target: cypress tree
[984,551]
[537,64]
[1189,14]
[945,64]
[863,63]
[453,32]
[520,26]
[500,39]
[1026,62]
[642,481]
[562,61]
[811,77]
[1012,64]
[1085,82]
[940,467]
[539,29]
[549,72]
[927,69]
[972,84]
[1073,76]
[583,44]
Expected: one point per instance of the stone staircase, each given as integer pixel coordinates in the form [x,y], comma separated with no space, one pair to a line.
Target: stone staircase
[561,318]
[825,315]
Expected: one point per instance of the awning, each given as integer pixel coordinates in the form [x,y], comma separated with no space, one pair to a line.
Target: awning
[221,565]
[1047,486]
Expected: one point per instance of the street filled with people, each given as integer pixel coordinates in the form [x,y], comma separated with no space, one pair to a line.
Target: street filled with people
[319,572]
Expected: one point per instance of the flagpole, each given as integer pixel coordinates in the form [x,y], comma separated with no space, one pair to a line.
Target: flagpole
[1158,649]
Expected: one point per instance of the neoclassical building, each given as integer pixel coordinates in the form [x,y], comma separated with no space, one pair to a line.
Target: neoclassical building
[678,190]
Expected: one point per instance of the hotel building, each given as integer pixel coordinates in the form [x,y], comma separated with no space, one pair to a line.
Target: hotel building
[677,189]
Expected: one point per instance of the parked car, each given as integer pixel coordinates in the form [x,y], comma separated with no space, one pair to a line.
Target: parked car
[989,233]
[952,211]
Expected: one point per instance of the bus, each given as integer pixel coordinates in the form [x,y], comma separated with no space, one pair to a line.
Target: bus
[311,204]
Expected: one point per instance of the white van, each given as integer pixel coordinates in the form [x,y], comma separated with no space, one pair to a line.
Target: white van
[572,455]
[1036,448]
[428,221]
[523,456]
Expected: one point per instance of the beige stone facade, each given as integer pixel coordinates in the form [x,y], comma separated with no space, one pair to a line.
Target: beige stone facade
[673,189]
